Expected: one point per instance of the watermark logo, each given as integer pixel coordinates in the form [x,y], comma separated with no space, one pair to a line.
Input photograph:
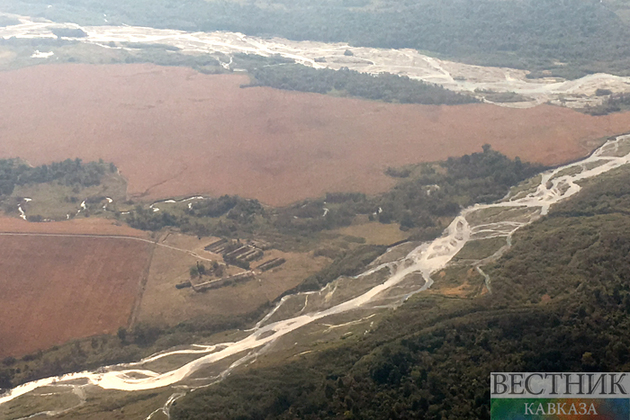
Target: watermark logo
[555,395]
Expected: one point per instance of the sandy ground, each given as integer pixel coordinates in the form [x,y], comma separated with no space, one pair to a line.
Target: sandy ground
[57,289]
[174,132]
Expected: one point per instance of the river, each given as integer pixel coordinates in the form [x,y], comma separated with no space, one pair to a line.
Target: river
[449,74]
[386,279]
[426,259]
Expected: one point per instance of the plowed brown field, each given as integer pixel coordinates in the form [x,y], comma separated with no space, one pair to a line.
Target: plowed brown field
[175,132]
[55,289]
[87,226]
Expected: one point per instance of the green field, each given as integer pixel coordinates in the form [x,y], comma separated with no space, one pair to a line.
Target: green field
[57,201]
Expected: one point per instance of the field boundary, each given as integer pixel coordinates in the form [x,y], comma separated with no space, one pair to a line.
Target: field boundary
[95,236]
[135,310]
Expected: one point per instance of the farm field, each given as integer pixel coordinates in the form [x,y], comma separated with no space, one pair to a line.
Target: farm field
[86,226]
[164,305]
[188,233]
[55,289]
[175,132]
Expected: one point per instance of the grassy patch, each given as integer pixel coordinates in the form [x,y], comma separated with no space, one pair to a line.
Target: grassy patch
[348,264]
[499,214]
[593,165]
[165,305]
[502,97]
[608,193]
[105,405]
[524,188]
[39,401]
[56,201]
[480,249]
[374,233]
[460,280]
[18,54]
[570,171]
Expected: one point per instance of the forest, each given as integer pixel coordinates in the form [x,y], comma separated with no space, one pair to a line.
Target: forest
[383,87]
[560,302]
[570,38]
[68,172]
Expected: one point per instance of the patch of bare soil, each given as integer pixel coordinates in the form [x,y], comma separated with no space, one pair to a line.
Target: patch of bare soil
[57,289]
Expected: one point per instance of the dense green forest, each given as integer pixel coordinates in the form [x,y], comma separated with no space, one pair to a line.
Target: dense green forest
[69,172]
[424,194]
[560,302]
[383,87]
[569,37]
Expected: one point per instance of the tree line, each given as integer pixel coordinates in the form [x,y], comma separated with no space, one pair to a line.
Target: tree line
[382,87]
[69,172]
